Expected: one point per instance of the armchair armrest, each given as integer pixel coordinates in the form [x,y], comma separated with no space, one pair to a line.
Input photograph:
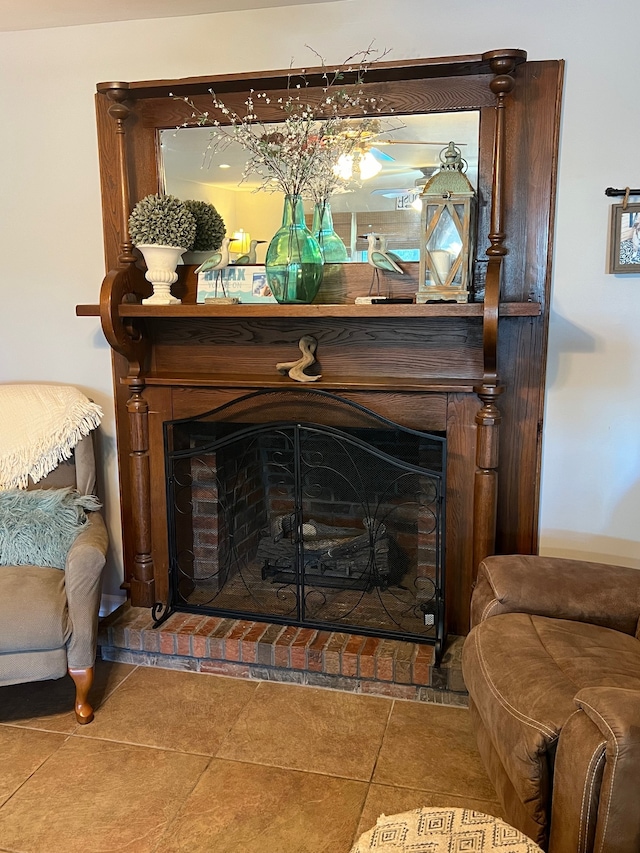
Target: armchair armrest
[559,588]
[83,584]
[597,774]
[616,712]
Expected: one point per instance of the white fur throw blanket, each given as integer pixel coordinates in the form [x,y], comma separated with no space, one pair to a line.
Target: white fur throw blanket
[39,427]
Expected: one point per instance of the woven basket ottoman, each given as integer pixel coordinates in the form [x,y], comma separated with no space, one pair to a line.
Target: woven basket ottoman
[443,831]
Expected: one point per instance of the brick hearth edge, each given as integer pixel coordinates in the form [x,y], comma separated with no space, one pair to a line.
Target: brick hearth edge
[258,650]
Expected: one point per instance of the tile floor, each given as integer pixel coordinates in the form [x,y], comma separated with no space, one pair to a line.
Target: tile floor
[181,761]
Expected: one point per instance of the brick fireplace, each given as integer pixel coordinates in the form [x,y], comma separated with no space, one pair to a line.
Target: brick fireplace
[299,507]
[473,373]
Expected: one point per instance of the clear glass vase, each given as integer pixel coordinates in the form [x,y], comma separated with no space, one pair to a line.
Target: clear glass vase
[333,249]
[294,261]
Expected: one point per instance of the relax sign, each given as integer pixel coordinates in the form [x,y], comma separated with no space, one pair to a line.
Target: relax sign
[248,284]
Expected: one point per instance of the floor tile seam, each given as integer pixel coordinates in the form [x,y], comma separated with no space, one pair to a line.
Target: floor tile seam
[384,734]
[356,835]
[80,735]
[159,845]
[416,787]
[365,799]
[23,728]
[33,772]
[108,695]
[237,717]
[321,773]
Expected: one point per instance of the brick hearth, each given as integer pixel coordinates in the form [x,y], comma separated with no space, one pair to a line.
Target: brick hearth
[258,650]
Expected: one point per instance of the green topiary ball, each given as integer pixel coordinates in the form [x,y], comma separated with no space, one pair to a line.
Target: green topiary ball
[210,227]
[162,220]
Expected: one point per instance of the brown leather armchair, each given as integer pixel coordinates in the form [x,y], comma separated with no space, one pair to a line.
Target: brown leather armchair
[552,665]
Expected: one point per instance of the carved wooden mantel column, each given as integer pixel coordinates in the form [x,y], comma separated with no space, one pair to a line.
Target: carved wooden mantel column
[488,418]
[142,580]
[122,285]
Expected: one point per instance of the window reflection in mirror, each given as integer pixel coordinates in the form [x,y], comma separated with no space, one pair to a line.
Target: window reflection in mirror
[387,203]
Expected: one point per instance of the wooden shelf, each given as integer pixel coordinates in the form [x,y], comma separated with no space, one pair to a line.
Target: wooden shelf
[326,383]
[471,309]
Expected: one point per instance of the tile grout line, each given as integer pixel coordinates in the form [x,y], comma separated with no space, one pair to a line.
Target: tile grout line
[438,793]
[80,736]
[156,847]
[291,769]
[136,667]
[39,767]
[373,770]
[240,712]
[384,734]
[105,699]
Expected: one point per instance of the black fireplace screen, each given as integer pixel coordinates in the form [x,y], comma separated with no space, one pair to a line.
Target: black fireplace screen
[304,508]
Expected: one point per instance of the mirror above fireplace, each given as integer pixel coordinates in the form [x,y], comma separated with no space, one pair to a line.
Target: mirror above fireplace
[406,149]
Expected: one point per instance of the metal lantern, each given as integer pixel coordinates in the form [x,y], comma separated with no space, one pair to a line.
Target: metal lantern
[448,217]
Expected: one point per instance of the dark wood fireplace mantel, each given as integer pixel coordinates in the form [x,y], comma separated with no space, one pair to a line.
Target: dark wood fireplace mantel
[432,367]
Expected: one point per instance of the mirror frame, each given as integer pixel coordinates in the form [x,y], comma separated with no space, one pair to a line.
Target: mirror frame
[416,86]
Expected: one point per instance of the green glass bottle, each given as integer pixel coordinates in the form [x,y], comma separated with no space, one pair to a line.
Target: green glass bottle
[294,261]
[333,249]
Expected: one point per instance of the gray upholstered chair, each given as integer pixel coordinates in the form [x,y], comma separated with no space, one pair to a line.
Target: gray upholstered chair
[49,617]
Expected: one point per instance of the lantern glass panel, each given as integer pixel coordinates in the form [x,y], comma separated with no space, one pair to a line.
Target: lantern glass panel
[446,235]
[445,242]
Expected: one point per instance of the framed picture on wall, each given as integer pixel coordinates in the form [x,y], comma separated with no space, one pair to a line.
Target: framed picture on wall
[624,239]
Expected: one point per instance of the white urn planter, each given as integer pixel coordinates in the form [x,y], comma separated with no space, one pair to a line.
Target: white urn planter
[161,264]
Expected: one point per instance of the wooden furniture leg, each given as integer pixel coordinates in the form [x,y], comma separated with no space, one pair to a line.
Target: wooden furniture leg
[83,679]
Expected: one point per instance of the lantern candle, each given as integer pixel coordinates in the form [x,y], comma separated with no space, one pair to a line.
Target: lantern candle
[442,263]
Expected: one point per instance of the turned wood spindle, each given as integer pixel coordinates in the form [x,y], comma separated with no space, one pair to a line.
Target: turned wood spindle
[488,417]
[142,578]
[120,113]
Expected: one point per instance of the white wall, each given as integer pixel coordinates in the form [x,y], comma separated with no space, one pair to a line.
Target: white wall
[51,233]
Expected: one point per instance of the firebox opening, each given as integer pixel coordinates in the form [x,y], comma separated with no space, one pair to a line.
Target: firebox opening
[293,521]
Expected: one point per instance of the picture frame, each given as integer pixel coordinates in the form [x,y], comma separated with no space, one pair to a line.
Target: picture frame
[624,239]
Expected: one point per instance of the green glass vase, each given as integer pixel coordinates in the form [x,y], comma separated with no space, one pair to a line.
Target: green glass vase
[333,249]
[293,262]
